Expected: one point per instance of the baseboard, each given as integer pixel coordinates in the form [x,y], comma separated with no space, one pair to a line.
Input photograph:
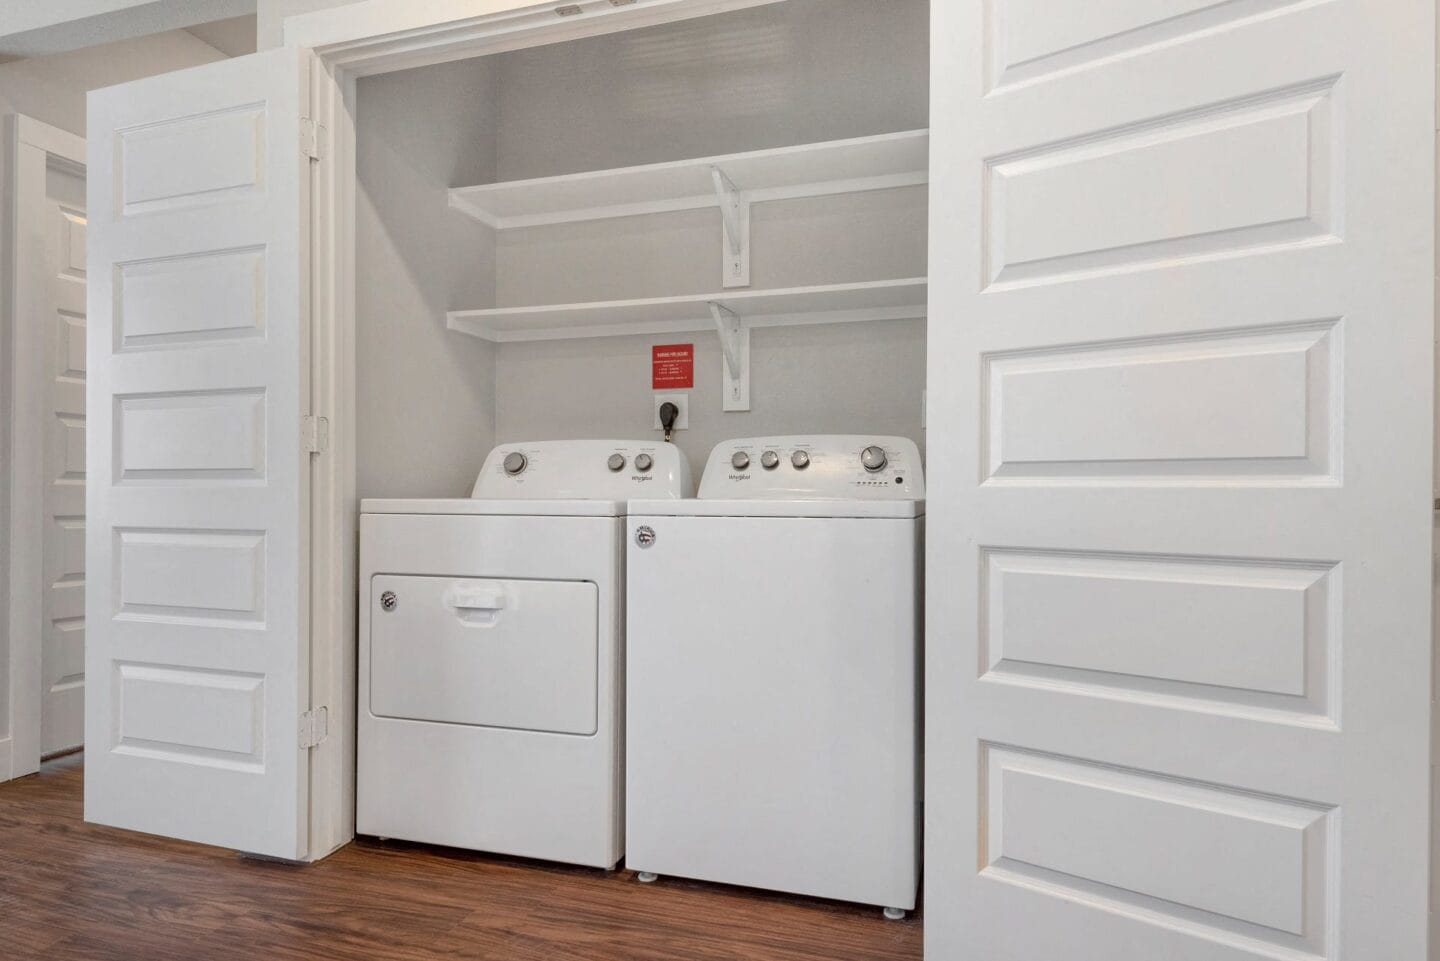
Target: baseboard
[6,753]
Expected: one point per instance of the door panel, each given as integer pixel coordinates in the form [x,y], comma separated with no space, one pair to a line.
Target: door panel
[62,625]
[198,534]
[519,654]
[1178,656]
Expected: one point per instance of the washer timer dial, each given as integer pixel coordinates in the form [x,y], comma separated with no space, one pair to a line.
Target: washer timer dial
[873,458]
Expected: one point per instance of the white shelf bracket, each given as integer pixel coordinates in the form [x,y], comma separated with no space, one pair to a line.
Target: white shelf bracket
[735,224]
[735,357]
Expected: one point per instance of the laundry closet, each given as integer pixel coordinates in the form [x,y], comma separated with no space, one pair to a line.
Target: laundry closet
[821,104]
[1170,369]
[533,230]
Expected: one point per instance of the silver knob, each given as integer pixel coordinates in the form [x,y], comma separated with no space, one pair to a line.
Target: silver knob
[740,460]
[643,462]
[769,460]
[616,462]
[515,463]
[874,459]
[388,600]
[800,460]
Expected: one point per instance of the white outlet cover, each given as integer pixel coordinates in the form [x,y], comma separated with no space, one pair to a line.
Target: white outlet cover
[682,401]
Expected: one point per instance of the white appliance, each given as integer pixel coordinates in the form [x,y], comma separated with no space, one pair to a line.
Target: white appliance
[491,653]
[772,671]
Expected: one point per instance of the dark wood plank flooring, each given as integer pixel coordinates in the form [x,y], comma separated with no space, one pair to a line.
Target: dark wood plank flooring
[69,890]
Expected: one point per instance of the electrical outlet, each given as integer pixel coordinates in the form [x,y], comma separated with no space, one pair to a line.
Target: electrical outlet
[682,401]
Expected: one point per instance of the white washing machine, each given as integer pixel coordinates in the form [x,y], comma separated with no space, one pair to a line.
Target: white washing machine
[773,652]
[491,653]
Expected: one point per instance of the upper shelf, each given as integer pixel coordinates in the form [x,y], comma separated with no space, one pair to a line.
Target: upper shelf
[834,303]
[809,170]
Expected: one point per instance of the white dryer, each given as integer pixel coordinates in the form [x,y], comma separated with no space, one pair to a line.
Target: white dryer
[491,653]
[773,726]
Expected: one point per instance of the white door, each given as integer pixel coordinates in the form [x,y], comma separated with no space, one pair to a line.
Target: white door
[62,623]
[198,659]
[1178,681]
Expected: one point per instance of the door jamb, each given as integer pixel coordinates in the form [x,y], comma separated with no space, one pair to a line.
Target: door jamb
[30,147]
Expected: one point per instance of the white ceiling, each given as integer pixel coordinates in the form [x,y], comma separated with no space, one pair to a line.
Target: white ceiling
[37,28]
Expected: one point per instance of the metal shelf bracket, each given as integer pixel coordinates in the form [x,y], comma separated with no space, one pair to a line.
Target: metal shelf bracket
[735,225]
[735,357]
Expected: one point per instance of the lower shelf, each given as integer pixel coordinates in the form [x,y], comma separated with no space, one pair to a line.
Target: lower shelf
[831,304]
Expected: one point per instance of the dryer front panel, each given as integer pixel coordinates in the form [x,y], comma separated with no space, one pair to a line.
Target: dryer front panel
[518,654]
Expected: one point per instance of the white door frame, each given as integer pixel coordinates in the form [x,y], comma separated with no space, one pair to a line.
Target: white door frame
[30,148]
[363,39]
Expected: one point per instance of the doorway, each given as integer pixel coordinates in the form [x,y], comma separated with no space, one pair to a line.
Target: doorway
[46,524]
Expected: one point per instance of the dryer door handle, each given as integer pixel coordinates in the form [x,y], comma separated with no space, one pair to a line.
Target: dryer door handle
[476,599]
[476,605]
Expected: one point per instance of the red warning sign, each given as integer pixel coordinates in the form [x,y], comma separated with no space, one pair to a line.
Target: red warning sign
[672,367]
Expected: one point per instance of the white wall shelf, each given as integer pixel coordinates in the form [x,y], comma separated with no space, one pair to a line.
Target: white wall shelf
[835,303]
[808,170]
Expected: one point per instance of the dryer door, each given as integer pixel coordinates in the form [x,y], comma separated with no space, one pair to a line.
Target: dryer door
[518,654]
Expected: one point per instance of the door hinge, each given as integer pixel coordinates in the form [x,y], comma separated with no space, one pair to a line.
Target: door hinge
[314,727]
[312,139]
[315,434]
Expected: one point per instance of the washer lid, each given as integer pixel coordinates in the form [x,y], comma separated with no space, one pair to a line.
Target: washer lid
[778,508]
[487,506]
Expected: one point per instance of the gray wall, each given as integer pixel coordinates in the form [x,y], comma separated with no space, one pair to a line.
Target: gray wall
[432,402]
[846,378]
[807,70]
[425,417]
[53,88]
[271,16]
[786,73]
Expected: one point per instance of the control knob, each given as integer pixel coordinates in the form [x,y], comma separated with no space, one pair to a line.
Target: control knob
[740,460]
[616,462]
[873,458]
[643,462]
[769,460]
[800,460]
[515,463]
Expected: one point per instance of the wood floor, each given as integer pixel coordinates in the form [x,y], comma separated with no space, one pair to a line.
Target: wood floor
[69,890]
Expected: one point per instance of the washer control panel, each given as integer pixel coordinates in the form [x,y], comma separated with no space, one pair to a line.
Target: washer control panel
[584,470]
[819,466]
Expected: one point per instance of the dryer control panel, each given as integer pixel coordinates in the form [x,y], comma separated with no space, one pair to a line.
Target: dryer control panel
[584,470]
[817,466]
